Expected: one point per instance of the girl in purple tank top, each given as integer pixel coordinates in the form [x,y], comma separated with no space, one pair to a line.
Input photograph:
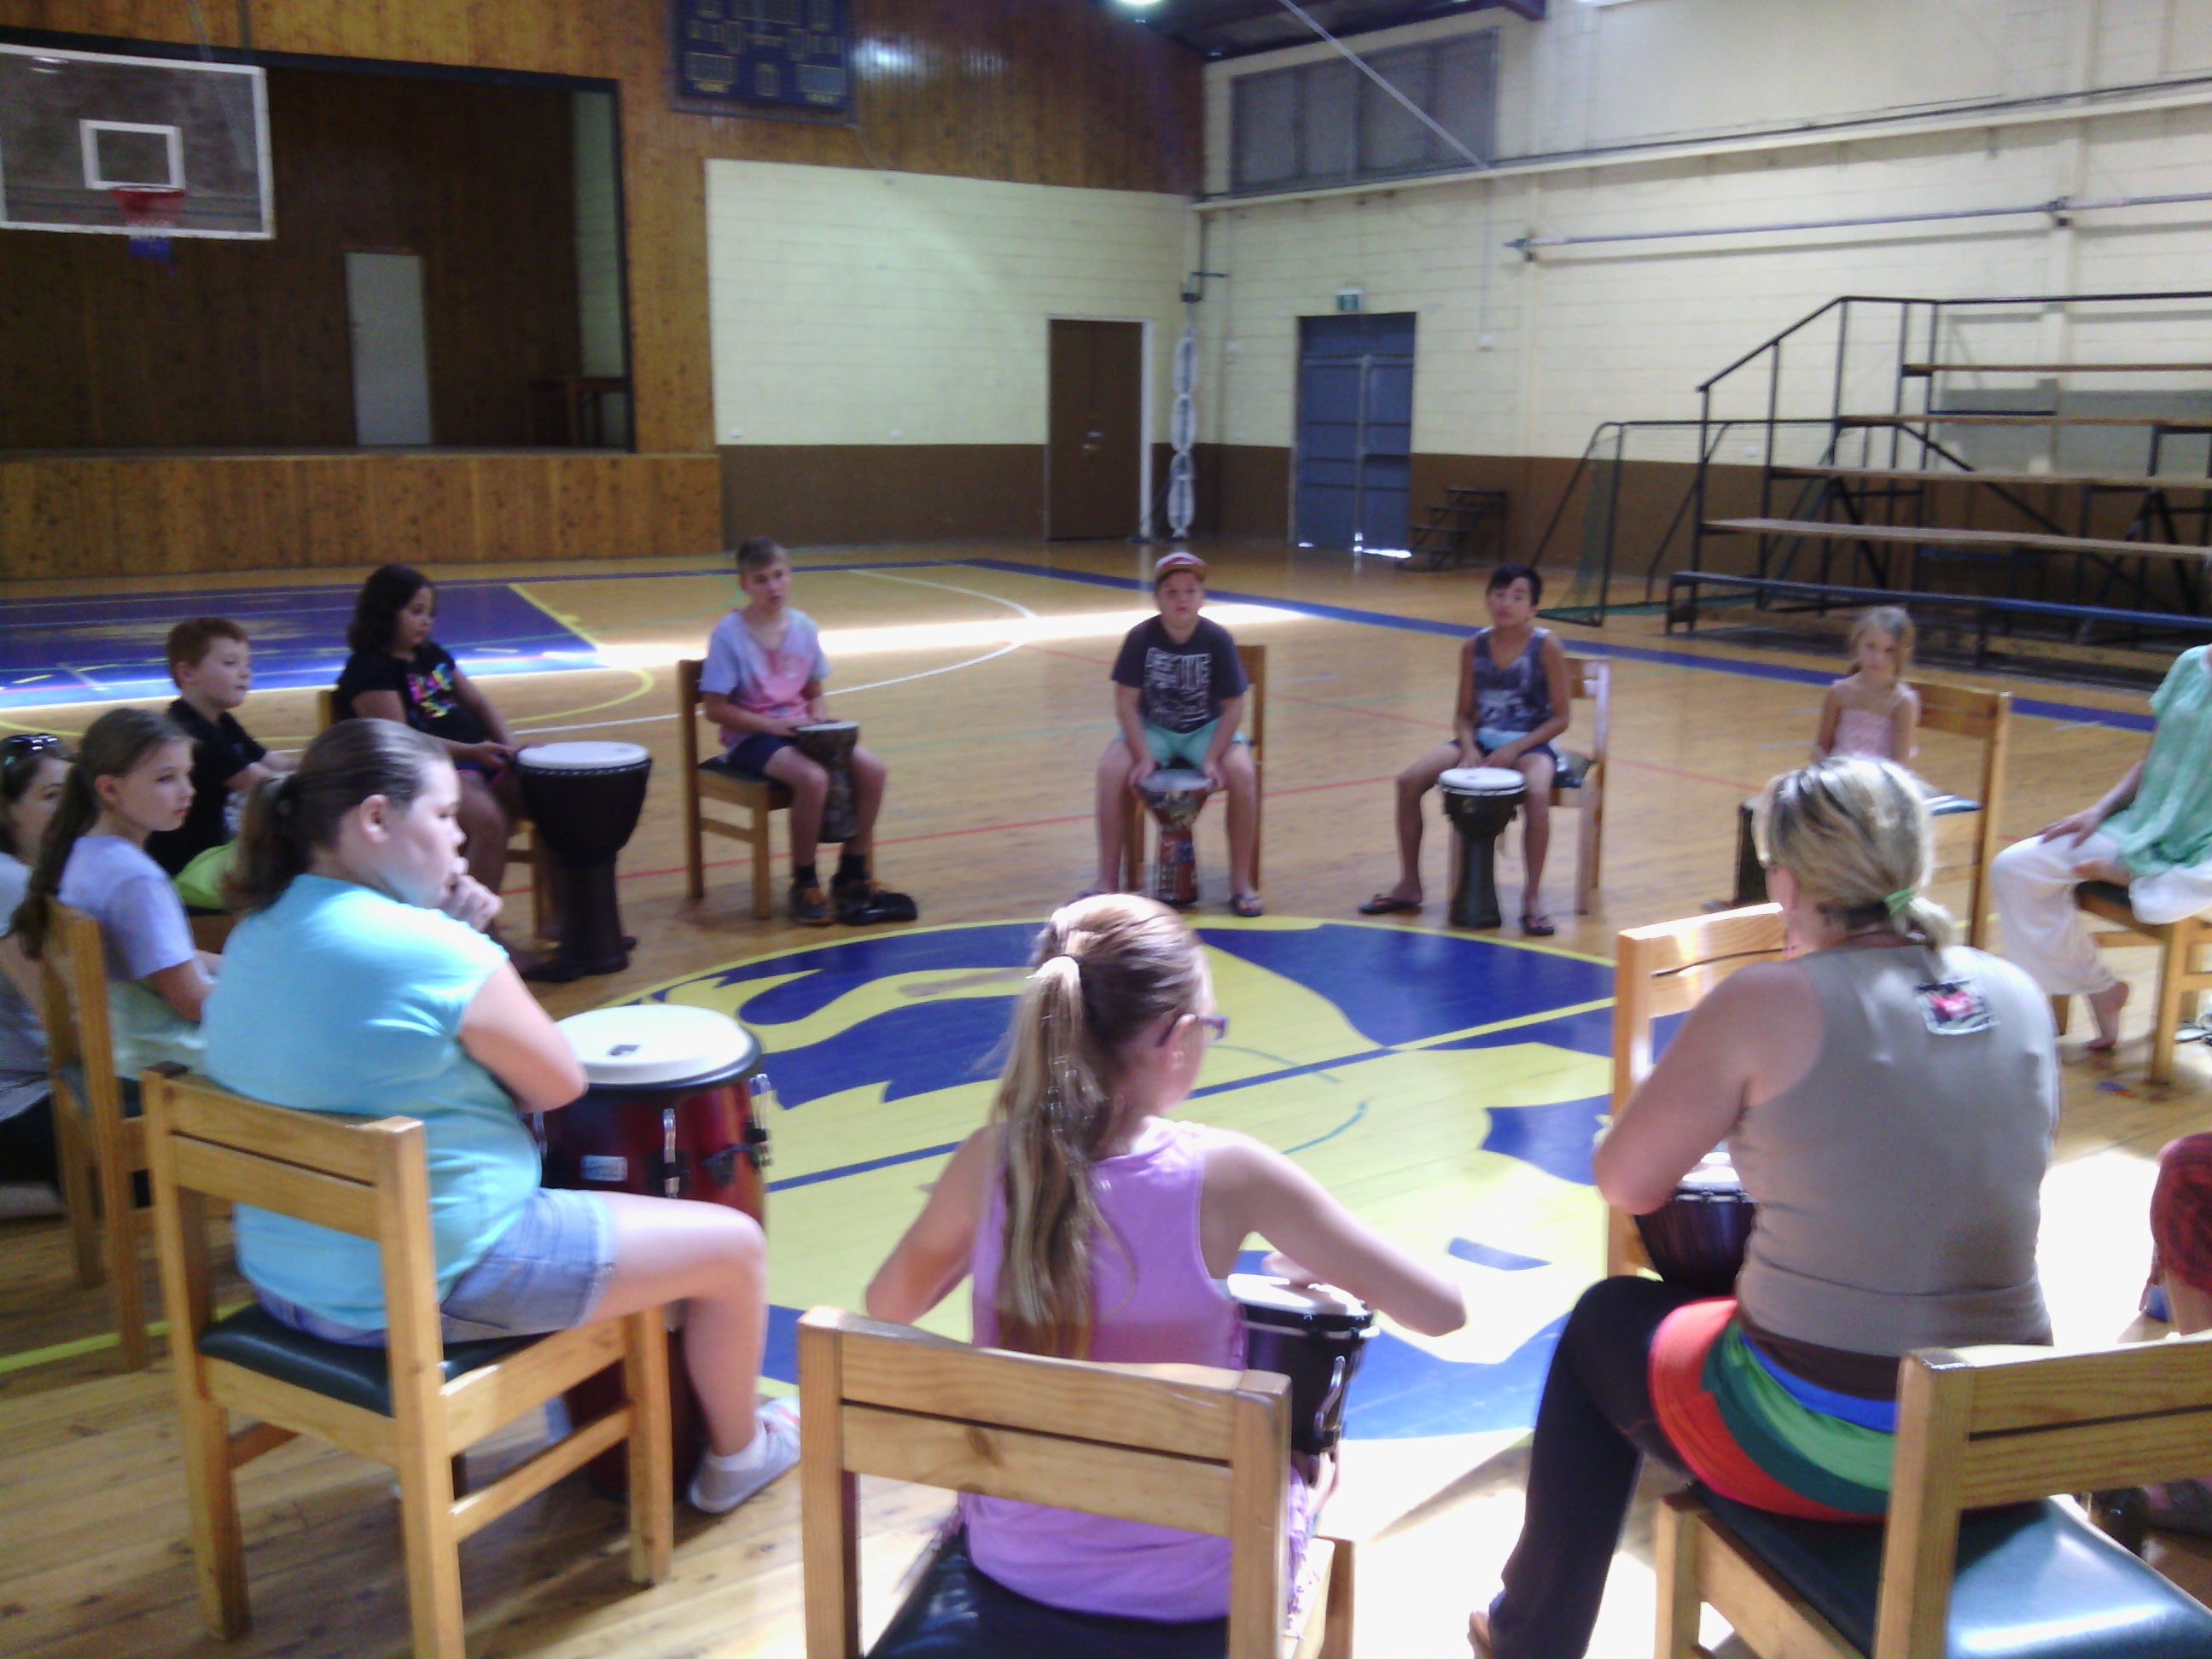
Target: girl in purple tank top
[1095,1228]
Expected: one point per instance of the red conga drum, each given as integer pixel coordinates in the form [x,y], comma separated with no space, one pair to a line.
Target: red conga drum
[669,1115]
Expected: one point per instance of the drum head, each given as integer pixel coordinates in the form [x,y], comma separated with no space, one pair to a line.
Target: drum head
[1481,780]
[1267,1300]
[656,1042]
[582,756]
[1174,781]
[1713,1175]
[827,727]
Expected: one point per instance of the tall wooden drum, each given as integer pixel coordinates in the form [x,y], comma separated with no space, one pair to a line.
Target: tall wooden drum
[670,1114]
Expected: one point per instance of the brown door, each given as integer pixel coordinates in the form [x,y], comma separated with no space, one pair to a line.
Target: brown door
[1093,461]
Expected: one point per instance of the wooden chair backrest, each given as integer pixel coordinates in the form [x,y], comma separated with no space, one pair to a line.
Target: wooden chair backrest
[73,968]
[363,1176]
[1588,678]
[327,707]
[1254,659]
[1668,969]
[1984,716]
[687,710]
[1185,1446]
[1999,1425]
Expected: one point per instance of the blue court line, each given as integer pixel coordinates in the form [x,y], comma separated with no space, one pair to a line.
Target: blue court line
[2041,708]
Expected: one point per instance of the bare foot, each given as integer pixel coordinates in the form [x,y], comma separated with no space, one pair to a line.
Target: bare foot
[2106,1004]
[2110,870]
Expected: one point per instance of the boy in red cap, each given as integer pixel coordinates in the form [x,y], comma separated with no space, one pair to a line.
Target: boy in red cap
[1178,696]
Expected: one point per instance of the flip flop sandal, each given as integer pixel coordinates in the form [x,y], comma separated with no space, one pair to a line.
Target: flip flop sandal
[1248,904]
[1388,904]
[1537,927]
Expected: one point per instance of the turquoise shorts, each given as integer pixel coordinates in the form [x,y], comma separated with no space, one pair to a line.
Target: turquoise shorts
[1181,747]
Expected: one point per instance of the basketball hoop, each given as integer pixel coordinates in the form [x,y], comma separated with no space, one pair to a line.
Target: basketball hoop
[149,210]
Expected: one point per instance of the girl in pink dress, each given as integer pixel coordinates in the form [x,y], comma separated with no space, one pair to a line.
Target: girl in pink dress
[1872,711]
[1094,1226]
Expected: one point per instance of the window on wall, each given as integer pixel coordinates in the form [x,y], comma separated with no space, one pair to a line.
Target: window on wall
[1326,123]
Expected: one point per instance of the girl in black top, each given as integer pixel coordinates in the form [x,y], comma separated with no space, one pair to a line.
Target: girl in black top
[397,672]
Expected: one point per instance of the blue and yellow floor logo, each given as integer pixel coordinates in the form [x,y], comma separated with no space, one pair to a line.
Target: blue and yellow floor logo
[1446,1087]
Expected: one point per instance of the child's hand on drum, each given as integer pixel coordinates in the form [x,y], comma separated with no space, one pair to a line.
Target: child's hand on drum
[1140,769]
[1214,775]
[1279,1266]
[470,901]
[487,753]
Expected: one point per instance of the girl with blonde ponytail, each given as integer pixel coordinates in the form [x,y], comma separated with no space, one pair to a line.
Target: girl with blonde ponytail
[1888,1101]
[1094,1226]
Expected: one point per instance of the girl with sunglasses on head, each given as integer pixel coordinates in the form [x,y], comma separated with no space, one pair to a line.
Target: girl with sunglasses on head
[32,765]
[1096,1227]
[131,778]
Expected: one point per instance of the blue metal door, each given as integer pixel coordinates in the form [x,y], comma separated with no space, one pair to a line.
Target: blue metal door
[1355,430]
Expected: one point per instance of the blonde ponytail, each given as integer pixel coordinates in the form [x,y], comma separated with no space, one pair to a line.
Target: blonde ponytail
[1855,833]
[1104,970]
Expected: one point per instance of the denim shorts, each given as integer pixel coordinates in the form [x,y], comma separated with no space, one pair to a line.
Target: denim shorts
[545,1272]
[751,753]
[1490,738]
[1186,748]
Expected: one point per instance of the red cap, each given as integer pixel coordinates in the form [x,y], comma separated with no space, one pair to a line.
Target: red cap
[1169,563]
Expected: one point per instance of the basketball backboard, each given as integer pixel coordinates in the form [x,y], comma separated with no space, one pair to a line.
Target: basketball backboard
[85,135]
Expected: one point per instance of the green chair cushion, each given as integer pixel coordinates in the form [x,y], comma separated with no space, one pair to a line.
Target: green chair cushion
[359,1377]
[2034,1581]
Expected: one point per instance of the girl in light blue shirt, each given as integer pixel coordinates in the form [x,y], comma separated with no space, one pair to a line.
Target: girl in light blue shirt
[361,983]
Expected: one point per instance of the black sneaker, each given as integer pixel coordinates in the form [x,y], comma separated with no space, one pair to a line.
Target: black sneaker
[860,902]
[808,907]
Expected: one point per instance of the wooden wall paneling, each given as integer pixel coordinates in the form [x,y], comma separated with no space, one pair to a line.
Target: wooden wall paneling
[513,506]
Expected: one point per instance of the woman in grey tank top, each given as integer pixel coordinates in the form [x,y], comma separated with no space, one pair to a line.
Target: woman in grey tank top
[1889,1101]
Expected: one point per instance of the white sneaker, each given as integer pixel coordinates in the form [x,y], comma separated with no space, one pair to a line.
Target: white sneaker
[774,1453]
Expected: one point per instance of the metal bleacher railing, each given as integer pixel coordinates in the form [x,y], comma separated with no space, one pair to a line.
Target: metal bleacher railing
[1963,457]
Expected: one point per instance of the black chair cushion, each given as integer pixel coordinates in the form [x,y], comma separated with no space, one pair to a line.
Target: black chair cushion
[2034,1582]
[127,1087]
[359,1376]
[955,1612]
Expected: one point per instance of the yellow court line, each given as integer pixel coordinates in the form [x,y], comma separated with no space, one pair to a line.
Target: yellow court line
[1542,1018]
[83,1345]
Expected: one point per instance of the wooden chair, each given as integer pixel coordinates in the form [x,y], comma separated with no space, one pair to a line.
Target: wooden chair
[1179,1445]
[1982,1427]
[1966,831]
[1580,782]
[2184,964]
[1668,969]
[544,921]
[412,1406]
[99,1139]
[1255,660]
[761,797]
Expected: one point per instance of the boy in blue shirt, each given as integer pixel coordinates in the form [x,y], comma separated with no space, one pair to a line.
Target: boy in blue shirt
[1178,695]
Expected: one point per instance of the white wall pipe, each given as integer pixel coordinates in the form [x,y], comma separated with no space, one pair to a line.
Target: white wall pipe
[2058,208]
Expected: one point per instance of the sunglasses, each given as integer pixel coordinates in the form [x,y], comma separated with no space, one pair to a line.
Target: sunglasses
[19,748]
[1216,1027]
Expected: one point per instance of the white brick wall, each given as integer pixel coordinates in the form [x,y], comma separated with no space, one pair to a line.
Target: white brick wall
[1627,330]
[850,306]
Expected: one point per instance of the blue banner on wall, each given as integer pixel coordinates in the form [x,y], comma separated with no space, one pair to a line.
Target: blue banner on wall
[786,57]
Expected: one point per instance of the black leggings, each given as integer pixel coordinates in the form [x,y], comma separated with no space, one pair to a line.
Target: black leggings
[1593,1430]
[26,1146]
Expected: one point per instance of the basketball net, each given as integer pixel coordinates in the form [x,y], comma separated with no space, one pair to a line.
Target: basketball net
[149,211]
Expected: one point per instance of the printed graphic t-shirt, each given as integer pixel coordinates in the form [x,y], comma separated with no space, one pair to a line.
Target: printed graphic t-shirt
[221,749]
[759,680]
[1181,687]
[428,685]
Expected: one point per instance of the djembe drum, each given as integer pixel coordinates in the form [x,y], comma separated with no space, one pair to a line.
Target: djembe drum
[1316,1337]
[670,1114]
[585,797]
[1697,1238]
[1480,801]
[1175,798]
[830,743]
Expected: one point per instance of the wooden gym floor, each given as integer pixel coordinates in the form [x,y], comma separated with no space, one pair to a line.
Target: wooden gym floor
[977,672]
